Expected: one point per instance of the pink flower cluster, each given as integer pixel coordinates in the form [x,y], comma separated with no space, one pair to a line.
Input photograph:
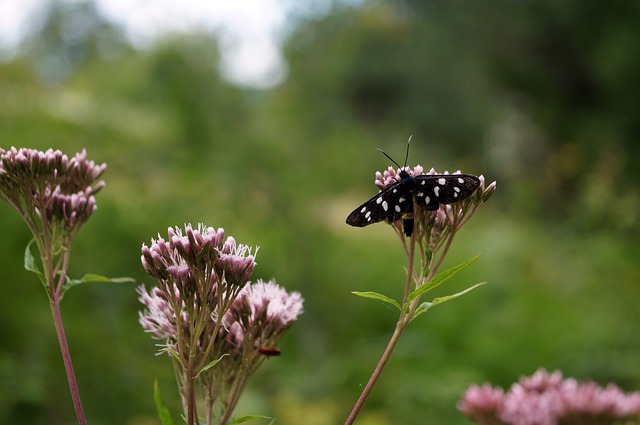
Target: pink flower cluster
[259,315]
[548,399]
[391,175]
[198,274]
[159,318]
[50,186]
[186,259]
[213,321]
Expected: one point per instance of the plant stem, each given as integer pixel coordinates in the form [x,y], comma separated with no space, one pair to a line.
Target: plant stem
[55,293]
[191,393]
[401,325]
[66,358]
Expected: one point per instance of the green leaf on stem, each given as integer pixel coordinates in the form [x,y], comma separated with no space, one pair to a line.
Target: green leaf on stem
[92,277]
[248,418]
[440,278]
[428,256]
[211,364]
[31,265]
[379,297]
[173,353]
[163,412]
[428,305]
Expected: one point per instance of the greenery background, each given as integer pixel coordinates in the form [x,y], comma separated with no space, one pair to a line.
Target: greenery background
[542,96]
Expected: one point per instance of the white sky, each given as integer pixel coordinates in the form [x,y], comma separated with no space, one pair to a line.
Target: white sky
[249,29]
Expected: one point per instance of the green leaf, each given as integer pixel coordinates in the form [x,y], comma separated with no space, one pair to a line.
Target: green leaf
[428,305]
[173,352]
[247,418]
[163,412]
[377,296]
[440,278]
[211,364]
[92,277]
[31,265]
[422,309]
[441,300]
[429,255]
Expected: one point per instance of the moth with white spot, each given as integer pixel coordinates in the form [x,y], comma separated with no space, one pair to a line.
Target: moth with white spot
[396,201]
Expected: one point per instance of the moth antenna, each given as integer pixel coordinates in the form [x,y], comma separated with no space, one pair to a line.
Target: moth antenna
[406,156]
[391,159]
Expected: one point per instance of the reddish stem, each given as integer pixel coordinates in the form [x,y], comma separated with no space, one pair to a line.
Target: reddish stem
[191,395]
[400,327]
[403,321]
[66,358]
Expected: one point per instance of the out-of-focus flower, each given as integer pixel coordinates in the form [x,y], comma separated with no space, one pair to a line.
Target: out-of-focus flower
[542,381]
[50,187]
[525,407]
[548,399]
[482,404]
[583,401]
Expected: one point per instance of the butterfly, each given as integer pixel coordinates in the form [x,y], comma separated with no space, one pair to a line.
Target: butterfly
[396,201]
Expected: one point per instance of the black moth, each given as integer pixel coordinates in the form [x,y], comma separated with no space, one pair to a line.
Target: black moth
[395,202]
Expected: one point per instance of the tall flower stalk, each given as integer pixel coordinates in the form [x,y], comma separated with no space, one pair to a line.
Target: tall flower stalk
[216,325]
[425,251]
[55,196]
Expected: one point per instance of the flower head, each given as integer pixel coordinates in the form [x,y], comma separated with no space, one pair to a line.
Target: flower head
[73,210]
[548,398]
[482,404]
[525,407]
[588,399]
[236,262]
[50,186]
[199,275]
[186,259]
[541,381]
[159,318]
[213,322]
[391,175]
[261,312]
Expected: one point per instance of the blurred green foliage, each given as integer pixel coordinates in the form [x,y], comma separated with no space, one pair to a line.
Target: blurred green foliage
[542,96]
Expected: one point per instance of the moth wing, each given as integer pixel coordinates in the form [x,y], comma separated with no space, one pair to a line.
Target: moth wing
[390,204]
[433,190]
